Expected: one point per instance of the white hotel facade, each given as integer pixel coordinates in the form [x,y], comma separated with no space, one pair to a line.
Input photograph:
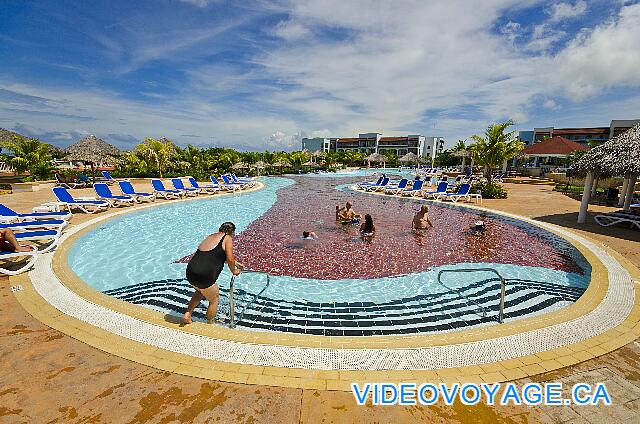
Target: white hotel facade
[427,147]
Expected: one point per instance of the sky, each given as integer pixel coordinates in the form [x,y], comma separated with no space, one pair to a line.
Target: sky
[256,75]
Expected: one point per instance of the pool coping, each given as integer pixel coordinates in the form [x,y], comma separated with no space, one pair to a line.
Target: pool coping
[333,379]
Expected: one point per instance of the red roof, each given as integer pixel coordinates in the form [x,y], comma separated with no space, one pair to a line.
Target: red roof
[554,146]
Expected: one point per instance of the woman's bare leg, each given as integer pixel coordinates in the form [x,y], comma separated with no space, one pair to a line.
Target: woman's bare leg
[195,299]
[10,238]
[212,294]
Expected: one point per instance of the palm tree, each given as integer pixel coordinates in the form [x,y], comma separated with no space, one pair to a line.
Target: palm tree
[159,152]
[29,154]
[460,145]
[496,147]
[297,159]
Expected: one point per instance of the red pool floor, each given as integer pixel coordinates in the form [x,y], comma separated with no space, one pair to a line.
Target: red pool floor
[272,243]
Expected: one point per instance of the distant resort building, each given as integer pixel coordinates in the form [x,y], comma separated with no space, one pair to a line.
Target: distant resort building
[375,143]
[578,135]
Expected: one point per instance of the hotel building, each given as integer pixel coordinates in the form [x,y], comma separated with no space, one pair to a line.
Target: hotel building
[579,135]
[375,143]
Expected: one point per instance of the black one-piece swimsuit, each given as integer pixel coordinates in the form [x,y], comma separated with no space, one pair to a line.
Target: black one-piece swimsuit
[205,266]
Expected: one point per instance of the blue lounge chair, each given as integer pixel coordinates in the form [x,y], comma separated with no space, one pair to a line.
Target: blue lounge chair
[85,205]
[220,186]
[8,214]
[109,179]
[365,184]
[227,180]
[104,193]
[462,193]
[442,188]
[53,224]
[205,188]
[383,184]
[6,256]
[51,236]
[179,185]
[159,190]
[402,185]
[241,180]
[139,196]
[413,191]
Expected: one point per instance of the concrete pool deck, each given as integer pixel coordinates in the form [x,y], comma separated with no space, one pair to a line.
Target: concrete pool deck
[554,206]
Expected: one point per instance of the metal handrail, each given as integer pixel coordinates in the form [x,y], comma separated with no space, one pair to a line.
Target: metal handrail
[231,283]
[503,285]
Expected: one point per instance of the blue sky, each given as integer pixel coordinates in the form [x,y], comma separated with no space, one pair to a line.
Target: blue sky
[261,75]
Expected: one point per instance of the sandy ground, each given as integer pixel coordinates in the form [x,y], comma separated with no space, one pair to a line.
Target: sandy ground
[46,376]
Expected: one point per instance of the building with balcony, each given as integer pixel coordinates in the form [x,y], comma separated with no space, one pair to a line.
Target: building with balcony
[375,143]
[579,135]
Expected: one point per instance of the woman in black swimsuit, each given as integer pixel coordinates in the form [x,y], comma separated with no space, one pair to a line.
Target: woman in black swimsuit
[205,267]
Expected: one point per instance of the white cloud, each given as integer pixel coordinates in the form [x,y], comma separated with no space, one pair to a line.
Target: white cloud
[511,30]
[608,55]
[543,38]
[562,11]
[291,31]
[200,3]
[282,141]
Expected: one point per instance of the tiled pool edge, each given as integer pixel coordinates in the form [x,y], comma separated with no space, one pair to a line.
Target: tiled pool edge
[508,369]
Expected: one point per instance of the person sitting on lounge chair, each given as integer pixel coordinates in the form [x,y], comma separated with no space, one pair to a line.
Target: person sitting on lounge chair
[421,220]
[8,242]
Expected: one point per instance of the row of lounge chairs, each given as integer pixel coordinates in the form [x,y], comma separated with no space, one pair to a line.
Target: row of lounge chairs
[105,198]
[417,188]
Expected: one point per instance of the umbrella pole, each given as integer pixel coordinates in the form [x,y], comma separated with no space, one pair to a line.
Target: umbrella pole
[630,190]
[623,192]
[586,194]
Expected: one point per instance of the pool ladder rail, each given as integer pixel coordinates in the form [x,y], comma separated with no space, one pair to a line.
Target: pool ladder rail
[503,289]
[232,322]
[503,285]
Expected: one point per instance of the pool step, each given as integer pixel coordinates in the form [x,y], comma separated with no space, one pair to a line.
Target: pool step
[419,314]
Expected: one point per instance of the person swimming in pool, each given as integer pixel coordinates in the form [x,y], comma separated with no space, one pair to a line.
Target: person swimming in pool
[309,235]
[205,266]
[367,229]
[421,220]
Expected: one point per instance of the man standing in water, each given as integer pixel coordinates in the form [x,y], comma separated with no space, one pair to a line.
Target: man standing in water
[421,220]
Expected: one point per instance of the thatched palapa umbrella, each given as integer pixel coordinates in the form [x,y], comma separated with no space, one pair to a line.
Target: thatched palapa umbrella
[376,157]
[92,150]
[260,165]
[620,156]
[239,165]
[281,163]
[409,158]
[464,154]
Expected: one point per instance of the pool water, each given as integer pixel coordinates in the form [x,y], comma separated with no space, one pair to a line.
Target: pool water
[339,284]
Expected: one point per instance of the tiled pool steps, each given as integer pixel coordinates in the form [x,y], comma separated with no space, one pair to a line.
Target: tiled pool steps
[418,314]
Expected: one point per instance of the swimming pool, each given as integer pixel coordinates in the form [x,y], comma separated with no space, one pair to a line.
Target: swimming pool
[340,284]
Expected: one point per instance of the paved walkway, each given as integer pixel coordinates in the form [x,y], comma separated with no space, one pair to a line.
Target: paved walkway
[46,376]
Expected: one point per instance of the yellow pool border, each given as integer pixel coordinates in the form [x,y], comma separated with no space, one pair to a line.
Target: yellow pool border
[158,358]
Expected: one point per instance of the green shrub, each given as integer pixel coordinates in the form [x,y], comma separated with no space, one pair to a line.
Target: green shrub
[490,190]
